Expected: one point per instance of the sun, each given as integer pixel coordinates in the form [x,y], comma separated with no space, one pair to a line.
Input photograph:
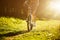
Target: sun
[54,5]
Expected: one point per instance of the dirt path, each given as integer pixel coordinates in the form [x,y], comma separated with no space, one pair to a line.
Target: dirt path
[13,33]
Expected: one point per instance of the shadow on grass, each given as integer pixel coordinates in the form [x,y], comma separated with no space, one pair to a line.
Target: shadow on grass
[13,33]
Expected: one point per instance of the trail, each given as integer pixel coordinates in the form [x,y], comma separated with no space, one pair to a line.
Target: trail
[13,33]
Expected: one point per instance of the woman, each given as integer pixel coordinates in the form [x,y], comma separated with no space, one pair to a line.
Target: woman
[31,6]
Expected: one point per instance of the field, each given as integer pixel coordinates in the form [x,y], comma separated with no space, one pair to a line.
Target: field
[44,30]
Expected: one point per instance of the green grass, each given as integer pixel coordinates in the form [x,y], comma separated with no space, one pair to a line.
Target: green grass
[8,25]
[34,35]
[44,30]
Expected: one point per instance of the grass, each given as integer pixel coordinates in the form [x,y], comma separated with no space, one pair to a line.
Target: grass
[44,30]
[11,25]
[37,35]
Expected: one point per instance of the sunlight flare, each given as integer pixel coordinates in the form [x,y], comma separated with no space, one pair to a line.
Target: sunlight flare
[55,5]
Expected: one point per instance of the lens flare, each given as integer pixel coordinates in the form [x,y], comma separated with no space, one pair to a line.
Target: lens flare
[55,5]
